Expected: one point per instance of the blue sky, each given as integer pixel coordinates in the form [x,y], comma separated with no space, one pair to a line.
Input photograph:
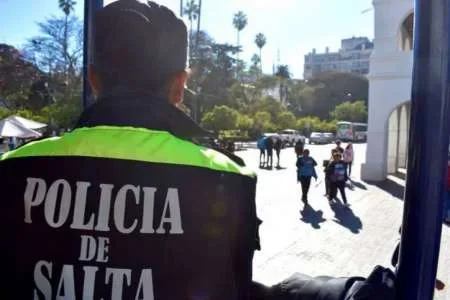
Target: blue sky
[293,27]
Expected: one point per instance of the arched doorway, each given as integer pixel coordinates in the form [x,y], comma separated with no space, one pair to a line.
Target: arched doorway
[398,134]
[406,33]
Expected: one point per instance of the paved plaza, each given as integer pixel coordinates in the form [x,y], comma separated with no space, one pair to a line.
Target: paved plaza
[324,240]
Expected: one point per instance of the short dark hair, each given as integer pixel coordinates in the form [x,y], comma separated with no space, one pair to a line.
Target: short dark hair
[138,45]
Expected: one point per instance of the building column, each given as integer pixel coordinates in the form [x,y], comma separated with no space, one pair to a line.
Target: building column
[374,169]
[393,141]
[403,137]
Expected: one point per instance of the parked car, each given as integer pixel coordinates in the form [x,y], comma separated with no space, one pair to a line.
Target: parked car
[329,137]
[291,136]
[317,138]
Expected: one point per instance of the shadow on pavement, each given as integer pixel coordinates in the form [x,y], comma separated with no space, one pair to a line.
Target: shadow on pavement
[280,168]
[345,217]
[359,185]
[395,189]
[311,216]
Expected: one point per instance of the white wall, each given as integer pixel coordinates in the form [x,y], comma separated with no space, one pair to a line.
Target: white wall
[389,84]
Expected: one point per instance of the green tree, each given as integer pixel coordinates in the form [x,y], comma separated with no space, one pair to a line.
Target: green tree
[260,41]
[221,118]
[263,122]
[352,112]
[332,89]
[4,113]
[266,104]
[240,21]
[245,123]
[285,120]
[17,75]
[283,75]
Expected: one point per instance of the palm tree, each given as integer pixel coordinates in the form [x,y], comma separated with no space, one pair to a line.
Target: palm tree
[260,41]
[256,60]
[67,6]
[283,74]
[191,10]
[198,21]
[239,21]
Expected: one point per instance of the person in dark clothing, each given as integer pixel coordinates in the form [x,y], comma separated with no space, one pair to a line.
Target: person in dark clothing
[339,148]
[327,177]
[337,172]
[299,148]
[270,145]
[277,146]
[305,170]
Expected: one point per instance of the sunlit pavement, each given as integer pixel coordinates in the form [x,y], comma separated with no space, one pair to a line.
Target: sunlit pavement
[324,240]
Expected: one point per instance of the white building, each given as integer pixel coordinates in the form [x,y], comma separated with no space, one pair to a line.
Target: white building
[353,57]
[390,80]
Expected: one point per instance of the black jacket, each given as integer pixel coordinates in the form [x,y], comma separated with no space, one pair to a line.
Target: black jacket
[126,204]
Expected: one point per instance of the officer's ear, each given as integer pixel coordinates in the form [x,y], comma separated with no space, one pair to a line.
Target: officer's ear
[175,87]
[94,80]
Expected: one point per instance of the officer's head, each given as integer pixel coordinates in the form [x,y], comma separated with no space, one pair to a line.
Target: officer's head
[139,46]
[306,152]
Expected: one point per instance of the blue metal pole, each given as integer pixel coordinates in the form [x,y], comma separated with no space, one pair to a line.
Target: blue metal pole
[428,150]
[90,7]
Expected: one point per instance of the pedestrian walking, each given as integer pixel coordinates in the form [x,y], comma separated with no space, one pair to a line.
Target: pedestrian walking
[299,148]
[305,170]
[339,148]
[325,165]
[337,172]
[348,158]
[262,146]
[270,145]
[277,146]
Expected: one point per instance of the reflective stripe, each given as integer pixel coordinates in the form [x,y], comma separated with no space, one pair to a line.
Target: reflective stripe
[138,144]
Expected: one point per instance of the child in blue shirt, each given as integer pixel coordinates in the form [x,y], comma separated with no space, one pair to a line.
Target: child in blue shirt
[305,170]
[337,172]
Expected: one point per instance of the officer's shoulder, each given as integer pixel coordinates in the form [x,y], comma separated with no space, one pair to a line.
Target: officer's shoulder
[222,160]
[231,156]
[29,148]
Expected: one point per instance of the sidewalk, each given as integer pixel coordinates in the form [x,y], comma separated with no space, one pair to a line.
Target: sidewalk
[324,240]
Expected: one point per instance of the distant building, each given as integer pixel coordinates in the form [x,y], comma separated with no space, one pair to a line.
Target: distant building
[353,57]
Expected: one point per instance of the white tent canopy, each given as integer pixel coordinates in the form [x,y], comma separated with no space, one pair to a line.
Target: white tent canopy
[15,126]
[29,124]
[10,128]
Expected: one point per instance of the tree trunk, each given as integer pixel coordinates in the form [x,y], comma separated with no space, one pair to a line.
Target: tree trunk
[237,54]
[190,42]
[237,57]
[281,91]
[198,20]
[181,8]
[260,59]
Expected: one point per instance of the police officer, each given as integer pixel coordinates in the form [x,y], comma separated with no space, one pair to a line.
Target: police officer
[126,206]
